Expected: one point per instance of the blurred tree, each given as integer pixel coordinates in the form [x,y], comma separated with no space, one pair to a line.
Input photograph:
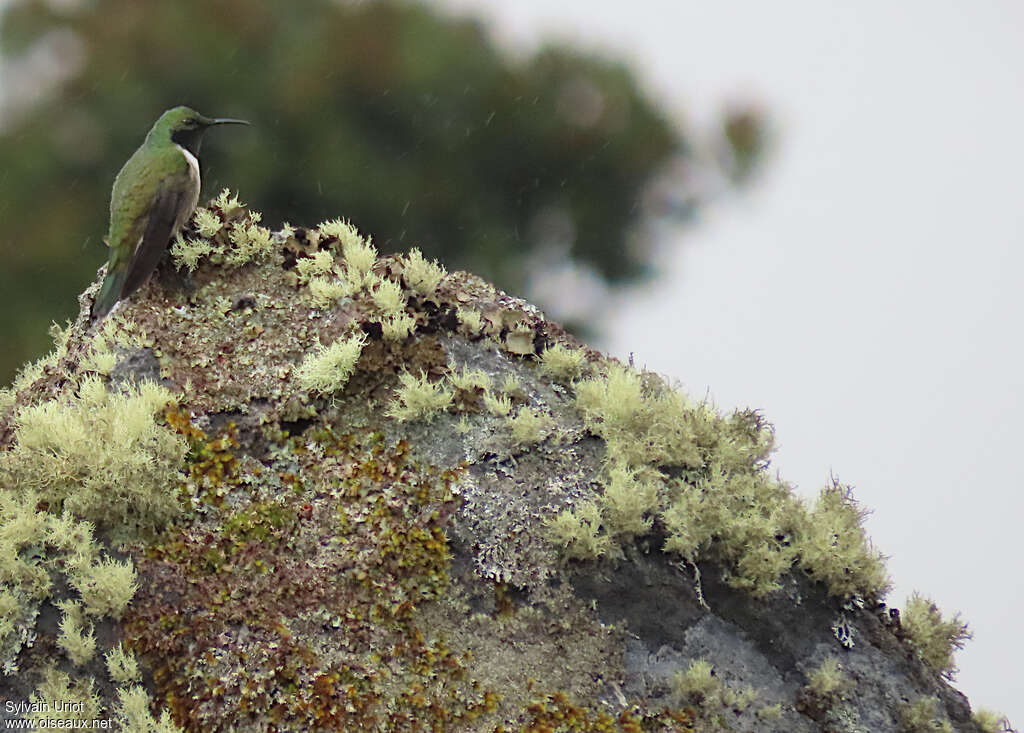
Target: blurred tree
[409,123]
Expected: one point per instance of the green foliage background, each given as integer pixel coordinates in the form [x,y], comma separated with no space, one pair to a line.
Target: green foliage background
[408,122]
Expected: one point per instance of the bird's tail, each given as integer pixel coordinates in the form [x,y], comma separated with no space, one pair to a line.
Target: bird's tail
[110,293]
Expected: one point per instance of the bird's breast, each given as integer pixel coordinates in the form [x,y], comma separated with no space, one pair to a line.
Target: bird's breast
[192,197]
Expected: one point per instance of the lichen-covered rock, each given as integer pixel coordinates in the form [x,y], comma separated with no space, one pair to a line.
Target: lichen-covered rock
[350,492]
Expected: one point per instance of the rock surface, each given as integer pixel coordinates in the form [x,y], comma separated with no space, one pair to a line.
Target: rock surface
[338,565]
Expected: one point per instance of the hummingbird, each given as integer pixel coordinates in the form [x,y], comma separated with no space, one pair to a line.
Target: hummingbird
[154,195]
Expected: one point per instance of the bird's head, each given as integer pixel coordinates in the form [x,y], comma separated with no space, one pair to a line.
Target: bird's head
[185,126]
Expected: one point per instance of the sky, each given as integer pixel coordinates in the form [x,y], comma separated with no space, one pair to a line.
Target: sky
[864,294]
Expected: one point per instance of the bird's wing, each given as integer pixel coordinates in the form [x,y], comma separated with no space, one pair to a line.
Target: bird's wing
[163,213]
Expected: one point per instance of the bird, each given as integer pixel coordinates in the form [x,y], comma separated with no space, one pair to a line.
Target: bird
[154,196]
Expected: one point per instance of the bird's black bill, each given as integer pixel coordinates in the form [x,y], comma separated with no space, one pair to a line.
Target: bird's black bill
[228,121]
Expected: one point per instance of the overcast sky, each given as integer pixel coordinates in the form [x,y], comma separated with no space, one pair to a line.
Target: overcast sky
[865,295]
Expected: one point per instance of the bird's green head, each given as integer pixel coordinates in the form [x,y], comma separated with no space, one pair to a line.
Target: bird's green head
[185,126]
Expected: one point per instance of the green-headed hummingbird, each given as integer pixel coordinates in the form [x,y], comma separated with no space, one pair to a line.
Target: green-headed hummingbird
[154,196]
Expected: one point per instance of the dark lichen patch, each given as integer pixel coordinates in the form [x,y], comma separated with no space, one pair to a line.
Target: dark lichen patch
[302,609]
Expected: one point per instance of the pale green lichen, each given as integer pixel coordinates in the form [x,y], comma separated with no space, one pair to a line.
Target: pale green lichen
[397,326]
[770,712]
[834,548]
[325,291]
[75,635]
[106,586]
[79,701]
[320,262]
[992,722]
[421,275]
[328,369]
[251,241]
[641,422]
[33,370]
[472,321]
[419,399]
[134,715]
[388,296]
[188,252]
[208,224]
[629,502]
[497,403]
[530,426]
[469,379]
[358,253]
[122,666]
[743,516]
[578,532]
[924,715]
[725,504]
[227,201]
[562,363]
[934,638]
[99,455]
[827,682]
[698,684]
